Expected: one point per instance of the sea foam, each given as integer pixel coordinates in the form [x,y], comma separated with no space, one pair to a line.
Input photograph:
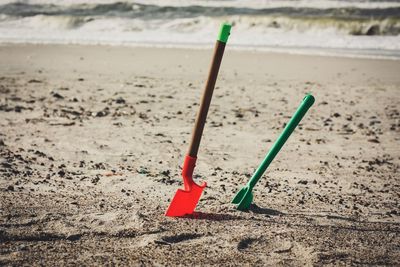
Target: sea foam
[356,28]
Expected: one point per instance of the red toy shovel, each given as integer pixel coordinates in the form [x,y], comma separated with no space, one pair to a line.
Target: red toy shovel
[185,200]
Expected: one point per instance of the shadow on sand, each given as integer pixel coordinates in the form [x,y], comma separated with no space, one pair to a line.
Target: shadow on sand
[259,210]
[229,217]
[214,216]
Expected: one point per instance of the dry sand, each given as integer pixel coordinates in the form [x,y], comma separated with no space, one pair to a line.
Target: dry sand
[92,140]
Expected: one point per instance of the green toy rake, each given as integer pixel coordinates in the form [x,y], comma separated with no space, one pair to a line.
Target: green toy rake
[245,196]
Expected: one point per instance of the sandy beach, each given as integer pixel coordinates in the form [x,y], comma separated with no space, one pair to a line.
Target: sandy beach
[92,139]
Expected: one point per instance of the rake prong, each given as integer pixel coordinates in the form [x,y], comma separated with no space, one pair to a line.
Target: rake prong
[246,201]
[239,195]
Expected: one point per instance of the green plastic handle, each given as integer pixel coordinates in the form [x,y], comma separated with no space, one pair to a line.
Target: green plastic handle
[224,32]
[307,102]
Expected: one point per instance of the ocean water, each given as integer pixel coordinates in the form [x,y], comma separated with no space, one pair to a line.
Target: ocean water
[355,28]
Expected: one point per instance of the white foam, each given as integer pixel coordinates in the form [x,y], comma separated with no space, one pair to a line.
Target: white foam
[249,32]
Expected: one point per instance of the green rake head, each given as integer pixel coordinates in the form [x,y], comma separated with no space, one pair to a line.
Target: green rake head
[243,198]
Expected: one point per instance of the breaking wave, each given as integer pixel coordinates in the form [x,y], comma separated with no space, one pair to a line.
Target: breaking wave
[321,24]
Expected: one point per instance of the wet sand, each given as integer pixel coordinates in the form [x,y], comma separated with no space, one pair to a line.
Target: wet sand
[92,140]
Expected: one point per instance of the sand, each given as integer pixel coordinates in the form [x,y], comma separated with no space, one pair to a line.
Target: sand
[92,139]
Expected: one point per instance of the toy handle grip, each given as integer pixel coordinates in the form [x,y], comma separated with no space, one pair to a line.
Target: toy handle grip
[208,91]
[307,102]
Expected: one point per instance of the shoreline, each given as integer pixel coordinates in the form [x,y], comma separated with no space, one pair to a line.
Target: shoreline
[282,66]
[301,51]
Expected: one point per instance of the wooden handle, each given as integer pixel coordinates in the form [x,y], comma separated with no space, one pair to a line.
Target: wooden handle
[206,100]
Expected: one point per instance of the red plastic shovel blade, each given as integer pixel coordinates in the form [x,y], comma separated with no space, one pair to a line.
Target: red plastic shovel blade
[184,202]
